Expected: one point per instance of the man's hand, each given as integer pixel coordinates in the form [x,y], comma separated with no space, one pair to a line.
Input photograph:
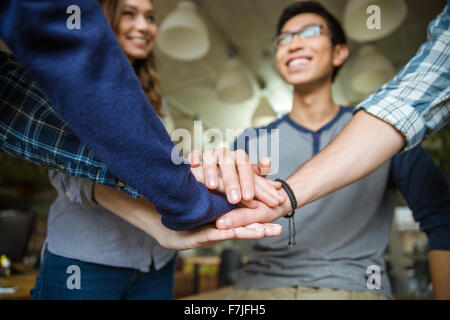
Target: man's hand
[232,173]
[247,216]
[209,236]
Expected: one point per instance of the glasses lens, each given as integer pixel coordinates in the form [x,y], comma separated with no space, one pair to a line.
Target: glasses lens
[311,31]
[284,38]
[306,32]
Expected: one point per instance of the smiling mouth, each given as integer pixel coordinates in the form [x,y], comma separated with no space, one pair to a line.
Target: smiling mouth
[298,63]
[139,42]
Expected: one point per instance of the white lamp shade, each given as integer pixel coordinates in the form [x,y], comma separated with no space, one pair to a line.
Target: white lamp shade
[370,70]
[234,85]
[392,13]
[264,114]
[183,35]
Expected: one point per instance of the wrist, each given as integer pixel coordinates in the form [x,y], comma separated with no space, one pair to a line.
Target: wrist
[286,207]
[304,197]
[293,206]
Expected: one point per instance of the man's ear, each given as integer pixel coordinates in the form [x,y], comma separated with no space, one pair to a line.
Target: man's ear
[340,54]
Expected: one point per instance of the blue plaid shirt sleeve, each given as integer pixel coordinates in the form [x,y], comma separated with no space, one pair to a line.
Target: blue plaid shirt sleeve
[416,101]
[31,129]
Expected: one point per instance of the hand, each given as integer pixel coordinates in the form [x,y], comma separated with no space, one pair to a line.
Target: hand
[247,216]
[142,214]
[230,172]
[209,236]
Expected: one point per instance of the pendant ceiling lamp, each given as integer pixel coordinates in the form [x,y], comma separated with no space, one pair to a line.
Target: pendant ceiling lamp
[183,35]
[234,85]
[264,114]
[370,70]
[369,20]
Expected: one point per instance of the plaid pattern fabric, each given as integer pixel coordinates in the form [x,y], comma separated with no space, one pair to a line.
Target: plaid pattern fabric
[416,100]
[31,129]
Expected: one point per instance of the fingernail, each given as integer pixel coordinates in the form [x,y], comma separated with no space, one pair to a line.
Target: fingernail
[212,181]
[247,194]
[224,223]
[234,195]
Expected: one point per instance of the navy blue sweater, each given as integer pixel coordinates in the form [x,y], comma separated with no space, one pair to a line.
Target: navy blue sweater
[87,78]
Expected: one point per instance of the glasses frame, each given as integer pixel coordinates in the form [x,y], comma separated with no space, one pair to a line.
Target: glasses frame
[298,33]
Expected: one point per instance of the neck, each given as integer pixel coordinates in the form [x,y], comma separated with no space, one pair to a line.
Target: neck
[313,106]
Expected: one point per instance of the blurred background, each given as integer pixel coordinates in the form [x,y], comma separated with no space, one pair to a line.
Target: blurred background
[216,63]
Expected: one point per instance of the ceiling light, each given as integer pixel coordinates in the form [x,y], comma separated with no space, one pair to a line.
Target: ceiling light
[183,35]
[234,85]
[391,13]
[370,70]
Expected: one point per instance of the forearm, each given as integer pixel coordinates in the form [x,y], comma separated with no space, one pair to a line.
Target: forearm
[439,264]
[362,146]
[131,142]
[142,214]
[139,212]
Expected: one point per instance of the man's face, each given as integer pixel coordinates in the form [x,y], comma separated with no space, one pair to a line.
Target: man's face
[309,59]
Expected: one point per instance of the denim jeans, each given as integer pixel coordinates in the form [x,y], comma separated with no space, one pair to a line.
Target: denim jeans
[61,278]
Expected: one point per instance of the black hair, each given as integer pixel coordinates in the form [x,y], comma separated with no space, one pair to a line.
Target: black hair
[336,32]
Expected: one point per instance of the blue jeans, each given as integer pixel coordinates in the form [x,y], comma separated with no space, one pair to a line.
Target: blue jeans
[67,279]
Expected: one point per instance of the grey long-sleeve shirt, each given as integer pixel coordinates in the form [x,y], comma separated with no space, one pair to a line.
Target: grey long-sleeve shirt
[80,229]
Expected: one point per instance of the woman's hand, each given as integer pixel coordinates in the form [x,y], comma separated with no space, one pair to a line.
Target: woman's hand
[142,214]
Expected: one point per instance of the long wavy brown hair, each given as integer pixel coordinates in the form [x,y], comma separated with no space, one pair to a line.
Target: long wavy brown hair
[145,69]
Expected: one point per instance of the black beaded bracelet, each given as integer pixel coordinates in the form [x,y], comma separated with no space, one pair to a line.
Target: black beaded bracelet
[290,216]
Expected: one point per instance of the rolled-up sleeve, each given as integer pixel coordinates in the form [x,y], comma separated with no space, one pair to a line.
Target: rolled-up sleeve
[75,189]
[416,101]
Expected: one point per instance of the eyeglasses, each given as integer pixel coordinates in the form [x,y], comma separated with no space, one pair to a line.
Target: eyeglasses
[306,32]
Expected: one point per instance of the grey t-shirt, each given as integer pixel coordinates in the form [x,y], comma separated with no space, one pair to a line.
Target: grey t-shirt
[339,237]
[80,229]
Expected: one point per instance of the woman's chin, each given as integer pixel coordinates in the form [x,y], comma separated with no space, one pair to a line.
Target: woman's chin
[137,55]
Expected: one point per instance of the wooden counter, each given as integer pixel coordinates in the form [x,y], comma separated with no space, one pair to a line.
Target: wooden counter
[24,282]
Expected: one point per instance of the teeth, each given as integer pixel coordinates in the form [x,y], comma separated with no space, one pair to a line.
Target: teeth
[140,41]
[297,62]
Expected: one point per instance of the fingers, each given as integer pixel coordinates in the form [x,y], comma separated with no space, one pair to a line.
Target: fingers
[232,173]
[264,166]
[210,174]
[270,229]
[273,183]
[266,191]
[208,236]
[195,158]
[230,176]
[242,217]
[245,170]
[250,204]
[253,231]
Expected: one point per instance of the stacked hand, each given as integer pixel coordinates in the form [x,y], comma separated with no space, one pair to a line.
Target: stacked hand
[232,173]
[261,199]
